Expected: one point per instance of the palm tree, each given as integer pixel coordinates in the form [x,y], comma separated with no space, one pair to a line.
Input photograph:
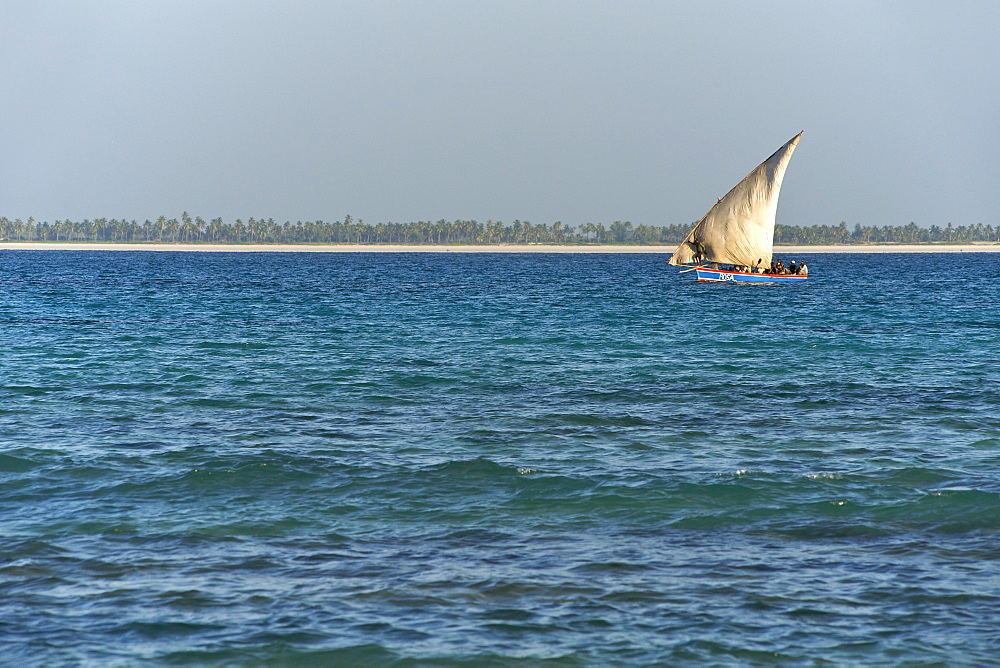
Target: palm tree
[599,232]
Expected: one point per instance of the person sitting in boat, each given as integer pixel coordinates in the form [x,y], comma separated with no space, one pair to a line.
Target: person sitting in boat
[793,268]
[803,269]
[779,267]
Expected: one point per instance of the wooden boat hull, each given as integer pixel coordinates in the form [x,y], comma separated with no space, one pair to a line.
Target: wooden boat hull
[706,275]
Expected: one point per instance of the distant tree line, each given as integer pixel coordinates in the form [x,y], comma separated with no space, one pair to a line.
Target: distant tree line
[350,231]
[896,234]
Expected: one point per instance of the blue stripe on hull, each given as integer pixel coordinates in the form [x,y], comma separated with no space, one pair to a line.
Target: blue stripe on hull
[723,276]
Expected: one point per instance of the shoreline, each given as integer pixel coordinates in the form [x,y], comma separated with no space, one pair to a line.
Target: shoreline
[498,248]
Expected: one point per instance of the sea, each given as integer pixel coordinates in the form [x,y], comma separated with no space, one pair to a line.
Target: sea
[493,459]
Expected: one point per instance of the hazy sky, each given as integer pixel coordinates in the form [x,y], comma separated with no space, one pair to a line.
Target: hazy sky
[542,110]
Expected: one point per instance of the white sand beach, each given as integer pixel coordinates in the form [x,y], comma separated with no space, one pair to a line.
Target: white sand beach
[493,248]
[890,248]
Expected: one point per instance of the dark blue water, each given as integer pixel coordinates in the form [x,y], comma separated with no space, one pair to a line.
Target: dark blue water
[450,459]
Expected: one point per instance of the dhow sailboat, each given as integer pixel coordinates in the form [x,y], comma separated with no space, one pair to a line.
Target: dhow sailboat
[733,242]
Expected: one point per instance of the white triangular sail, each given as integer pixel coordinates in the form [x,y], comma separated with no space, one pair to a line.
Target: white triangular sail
[740,228]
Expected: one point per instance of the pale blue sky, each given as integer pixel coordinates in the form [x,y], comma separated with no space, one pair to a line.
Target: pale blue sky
[540,110]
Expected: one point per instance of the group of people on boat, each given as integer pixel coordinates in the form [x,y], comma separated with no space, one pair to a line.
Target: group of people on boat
[777,267]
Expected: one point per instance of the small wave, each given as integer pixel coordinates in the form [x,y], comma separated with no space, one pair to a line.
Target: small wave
[420,362]
[160,630]
[33,390]
[232,345]
[12,464]
[132,387]
[612,567]
[30,548]
[475,468]
[591,420]
[189,378]
[824,476]
[473,537]
[422,380]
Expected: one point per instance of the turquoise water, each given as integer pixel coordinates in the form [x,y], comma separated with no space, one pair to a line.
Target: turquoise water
[451,459]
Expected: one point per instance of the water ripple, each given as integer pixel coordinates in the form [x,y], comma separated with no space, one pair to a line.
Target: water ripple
[421,459]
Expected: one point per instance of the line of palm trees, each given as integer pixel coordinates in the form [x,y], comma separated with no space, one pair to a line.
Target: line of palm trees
[186,229]
[899,234]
